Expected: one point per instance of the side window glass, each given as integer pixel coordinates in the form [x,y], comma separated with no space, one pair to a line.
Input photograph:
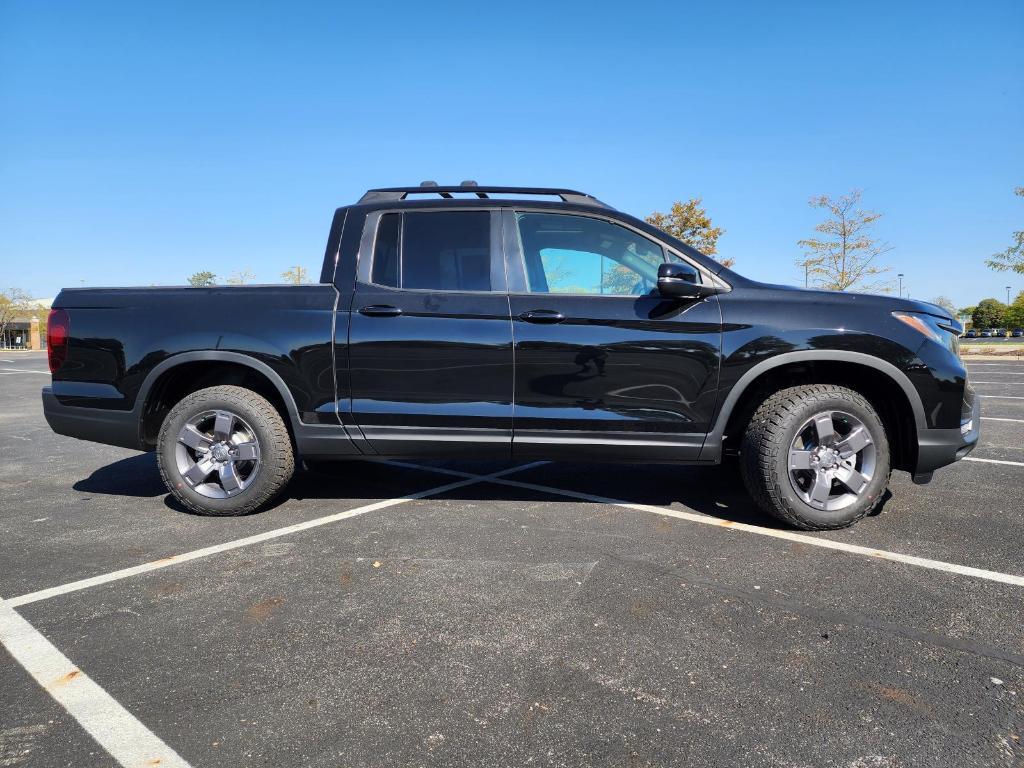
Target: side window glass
[385,251]
[583,255]
[446,250]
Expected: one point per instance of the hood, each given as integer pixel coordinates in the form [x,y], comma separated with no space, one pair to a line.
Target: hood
[879,301]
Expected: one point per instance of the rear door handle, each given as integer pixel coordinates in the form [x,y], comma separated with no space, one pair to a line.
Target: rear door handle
[542,316]
[380,310]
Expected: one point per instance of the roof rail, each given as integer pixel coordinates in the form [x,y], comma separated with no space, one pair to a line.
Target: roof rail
[391,194]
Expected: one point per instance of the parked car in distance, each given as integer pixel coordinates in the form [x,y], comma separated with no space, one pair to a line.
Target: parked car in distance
[971,334]
[481,322]
[1017,333]
[986,333]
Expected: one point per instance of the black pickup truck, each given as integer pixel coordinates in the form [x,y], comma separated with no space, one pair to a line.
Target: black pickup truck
[489,323]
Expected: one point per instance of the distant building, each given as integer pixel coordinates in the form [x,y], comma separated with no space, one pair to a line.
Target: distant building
[28,329]
[17,335]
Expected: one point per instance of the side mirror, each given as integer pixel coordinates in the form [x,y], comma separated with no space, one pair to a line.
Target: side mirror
[679,281]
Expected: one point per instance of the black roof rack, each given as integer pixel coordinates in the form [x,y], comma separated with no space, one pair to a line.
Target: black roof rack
[391,194]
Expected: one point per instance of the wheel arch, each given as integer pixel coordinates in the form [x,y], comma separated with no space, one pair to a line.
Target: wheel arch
[885,385]
[210,367]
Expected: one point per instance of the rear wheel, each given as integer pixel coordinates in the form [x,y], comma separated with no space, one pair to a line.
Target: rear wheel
[224,451]
[816,457]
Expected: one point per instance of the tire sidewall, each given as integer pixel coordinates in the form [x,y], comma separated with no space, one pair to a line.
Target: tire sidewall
[263,485]
[879,480]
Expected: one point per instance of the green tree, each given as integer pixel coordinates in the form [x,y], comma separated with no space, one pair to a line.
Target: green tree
[1013,257]
[690,223]
[1015,313]
[202,279]
[990,313]
[844,257]
[295,275]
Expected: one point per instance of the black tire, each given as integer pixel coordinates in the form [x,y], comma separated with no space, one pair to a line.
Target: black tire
[276,457]
[764,455]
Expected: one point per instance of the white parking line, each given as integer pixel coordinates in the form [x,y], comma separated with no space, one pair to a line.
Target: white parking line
[113,727]
[695,517]
[993,418]
[23,370]
[995,461]
[1002,397]
[124,573]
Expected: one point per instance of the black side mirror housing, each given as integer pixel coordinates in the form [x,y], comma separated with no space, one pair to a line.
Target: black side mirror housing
[679,281]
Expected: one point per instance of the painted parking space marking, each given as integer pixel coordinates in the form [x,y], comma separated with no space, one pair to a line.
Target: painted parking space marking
[696,517]
[124,573]
[24,370]
[1002,397]
[995,418]
[995,461]
[113,727]
[469,478]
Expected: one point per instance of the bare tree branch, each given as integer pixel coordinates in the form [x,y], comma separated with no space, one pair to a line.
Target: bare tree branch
[844,259]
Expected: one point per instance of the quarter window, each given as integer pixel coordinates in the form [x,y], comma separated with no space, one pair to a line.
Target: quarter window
[584,255]
[434,250]
[385,253]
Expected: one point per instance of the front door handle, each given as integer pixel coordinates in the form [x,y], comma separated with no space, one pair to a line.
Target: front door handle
[380,310]
[542,316]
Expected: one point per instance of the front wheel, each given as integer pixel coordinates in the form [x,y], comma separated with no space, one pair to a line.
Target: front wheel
[224,451]
[816,457]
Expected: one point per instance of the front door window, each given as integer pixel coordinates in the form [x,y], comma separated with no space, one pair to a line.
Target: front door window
[588,256]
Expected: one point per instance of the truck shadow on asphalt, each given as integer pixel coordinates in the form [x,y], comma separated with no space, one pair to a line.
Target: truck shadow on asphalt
[714,491]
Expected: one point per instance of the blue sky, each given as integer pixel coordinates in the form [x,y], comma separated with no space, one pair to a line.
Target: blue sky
[140,142]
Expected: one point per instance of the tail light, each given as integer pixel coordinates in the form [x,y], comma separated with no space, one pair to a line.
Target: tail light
[58,329]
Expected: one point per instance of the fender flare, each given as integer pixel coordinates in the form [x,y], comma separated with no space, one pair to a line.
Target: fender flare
[714,439]
[215,356]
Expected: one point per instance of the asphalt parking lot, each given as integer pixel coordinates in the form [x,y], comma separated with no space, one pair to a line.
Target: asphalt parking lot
[472,614]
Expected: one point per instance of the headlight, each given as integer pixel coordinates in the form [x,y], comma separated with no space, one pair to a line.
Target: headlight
[939,329]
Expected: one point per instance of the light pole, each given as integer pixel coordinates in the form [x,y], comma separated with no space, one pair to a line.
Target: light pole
[900,276]
[807,274]
[1007,295]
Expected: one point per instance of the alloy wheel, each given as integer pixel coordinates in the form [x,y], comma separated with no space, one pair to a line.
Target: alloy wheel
[831,460]
[217,454]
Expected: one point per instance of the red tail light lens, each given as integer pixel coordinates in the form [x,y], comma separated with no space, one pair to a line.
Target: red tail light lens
[58,329]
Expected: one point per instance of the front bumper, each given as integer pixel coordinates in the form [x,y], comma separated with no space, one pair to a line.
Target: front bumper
[98,425]
[940,447]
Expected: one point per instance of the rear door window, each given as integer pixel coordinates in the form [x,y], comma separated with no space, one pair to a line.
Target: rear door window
[434,250]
